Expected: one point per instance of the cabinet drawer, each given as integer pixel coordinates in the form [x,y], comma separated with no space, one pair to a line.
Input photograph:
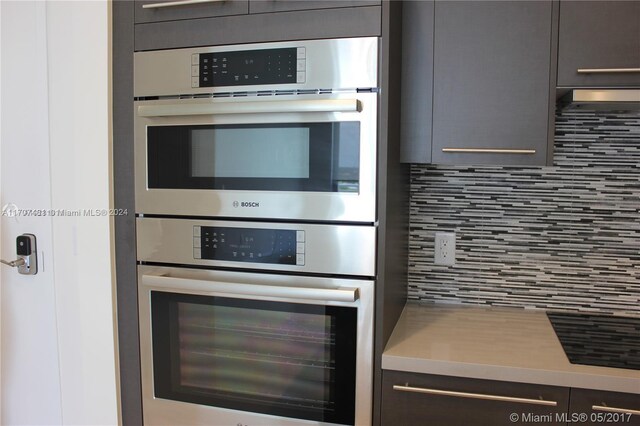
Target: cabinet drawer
[266,6]
[599,44]
[601,407]
[410,398]
[172,10]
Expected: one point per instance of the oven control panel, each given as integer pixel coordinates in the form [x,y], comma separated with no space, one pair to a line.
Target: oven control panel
[256,245]
[249,67]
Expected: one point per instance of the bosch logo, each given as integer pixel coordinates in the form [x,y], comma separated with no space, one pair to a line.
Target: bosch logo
[246,204]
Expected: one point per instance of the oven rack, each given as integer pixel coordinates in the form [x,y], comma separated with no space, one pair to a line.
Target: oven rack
[268,332]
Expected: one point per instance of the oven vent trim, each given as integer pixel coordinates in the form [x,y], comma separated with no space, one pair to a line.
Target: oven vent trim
[260,93]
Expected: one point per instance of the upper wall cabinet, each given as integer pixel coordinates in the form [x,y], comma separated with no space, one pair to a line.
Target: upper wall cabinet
[173,24]
[489,100]
[172,10]
[599,44]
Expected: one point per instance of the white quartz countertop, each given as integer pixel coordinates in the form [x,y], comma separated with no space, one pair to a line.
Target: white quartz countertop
[491,343]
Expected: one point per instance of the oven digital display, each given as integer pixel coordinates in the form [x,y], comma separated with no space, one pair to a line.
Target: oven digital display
[278,246]
[248,67]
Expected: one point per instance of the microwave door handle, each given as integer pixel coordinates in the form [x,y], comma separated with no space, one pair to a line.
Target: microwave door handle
[251,107]
[241,289]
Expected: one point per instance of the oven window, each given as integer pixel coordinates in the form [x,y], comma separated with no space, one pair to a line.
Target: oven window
[284,359]
[225,153]
[322,157]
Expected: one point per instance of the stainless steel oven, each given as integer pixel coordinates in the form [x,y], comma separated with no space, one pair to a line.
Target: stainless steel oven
[239,327]
[274,130]
[255,182]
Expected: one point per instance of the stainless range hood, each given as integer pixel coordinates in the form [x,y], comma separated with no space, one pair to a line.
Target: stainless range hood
[602,99]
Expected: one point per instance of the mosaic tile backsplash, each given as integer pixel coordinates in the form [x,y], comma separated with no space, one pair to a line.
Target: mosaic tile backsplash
[565,237]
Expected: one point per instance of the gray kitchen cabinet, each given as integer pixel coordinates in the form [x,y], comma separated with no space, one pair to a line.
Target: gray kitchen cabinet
[600,407]
[493,91]
[147,11]
[268,6]
[416,92]
[599,44]
[412,398]
[133,32]
[243,21]
[171,10]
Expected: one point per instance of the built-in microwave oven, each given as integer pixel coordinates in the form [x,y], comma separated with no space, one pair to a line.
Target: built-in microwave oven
[277,130]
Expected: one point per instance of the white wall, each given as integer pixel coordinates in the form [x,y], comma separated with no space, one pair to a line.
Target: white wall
[78,60]
[30,376]
[58,358]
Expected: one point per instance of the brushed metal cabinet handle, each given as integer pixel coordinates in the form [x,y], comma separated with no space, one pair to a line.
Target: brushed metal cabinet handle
[178,3]
[407,388]
[615,410]
[490,151]
[607,70]
[606,95]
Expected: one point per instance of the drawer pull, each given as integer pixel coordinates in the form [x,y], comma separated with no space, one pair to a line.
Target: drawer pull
[408,388]
[607,70]
[615,410]
[490,150]
[177,3]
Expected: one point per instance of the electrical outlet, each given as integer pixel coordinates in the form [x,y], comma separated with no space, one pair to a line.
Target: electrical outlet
[445,249]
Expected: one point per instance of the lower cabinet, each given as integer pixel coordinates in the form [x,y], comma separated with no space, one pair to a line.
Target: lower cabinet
[426,399]
[422,399]
[592,407]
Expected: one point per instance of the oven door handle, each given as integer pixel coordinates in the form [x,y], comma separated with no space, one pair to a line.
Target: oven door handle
[251,107]
[241,289]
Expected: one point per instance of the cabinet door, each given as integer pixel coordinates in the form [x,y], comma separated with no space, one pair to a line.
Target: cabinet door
[266,6]
[417,81]
[600,407]
[492,85]
[419,399]
[254,28]
[172,10]
[601,36]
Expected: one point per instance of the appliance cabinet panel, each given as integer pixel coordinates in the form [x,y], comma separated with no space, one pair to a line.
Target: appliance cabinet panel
[599,35]
[255,28]
[172,10]
[492,88]
[402,407]
[601,407]
[268,6]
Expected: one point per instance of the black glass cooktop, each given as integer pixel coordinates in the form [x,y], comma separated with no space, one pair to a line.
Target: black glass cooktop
[605,341]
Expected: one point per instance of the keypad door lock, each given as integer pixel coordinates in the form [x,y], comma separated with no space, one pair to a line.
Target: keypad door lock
[27,261]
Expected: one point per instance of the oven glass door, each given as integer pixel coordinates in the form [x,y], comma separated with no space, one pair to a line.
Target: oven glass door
[285,359]
[321,157]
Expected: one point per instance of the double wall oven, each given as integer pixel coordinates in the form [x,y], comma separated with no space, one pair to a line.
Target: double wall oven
[255,174]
